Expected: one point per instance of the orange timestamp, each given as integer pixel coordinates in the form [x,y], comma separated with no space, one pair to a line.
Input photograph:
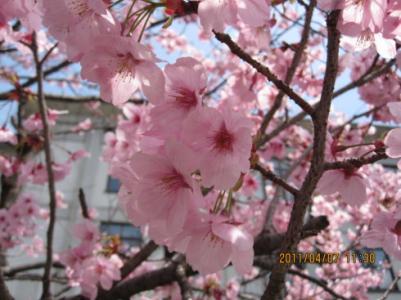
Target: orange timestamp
[308,258]
[364,257]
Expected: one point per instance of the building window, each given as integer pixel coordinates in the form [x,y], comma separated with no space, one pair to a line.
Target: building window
[128,234]
[113,185]
[281,167]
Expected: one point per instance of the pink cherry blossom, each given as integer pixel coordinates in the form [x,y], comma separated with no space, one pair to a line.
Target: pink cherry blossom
[87,232]
[74,257]
[74,156]
[99,270]
[330,4]
[60,200]
[350,185]
[217,14]
[7,136]
[77,22]
[250,185]
[185,84]
[85,125]
[160,187]
[28,11]
[222,142]
[20,221]
[6,166]
[391,23]
[37,173]
[385,47]
[35,248]
[385,232]
[395,110]
[360,16]
[212,241]
[393,144]
[135,123]
[34,122]
[120,66]
[180,140]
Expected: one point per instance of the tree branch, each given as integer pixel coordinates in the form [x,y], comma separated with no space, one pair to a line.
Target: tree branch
[23,268]
[302,199]
[355,162]
[137,259]
[365,78]
[46,293]
[235,49]
[29,82]
[277,180]
[147,281]
[292,69]
[267,243]
[185,287]
[83,204]
[131,264]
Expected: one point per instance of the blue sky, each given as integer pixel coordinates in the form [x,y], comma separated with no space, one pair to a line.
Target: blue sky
[349,103]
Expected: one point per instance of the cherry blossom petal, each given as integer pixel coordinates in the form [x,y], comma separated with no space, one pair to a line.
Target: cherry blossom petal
[393,143]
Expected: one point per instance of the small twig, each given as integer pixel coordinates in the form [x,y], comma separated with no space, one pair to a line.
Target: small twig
[277,180]
[267,243]
[185,287]
[390,288]
[293,67]
[46,293]
[84,205]
[365,78]
[274,202]
[24,268]
[340,129]
[137,259]
[355,162]
[37,277]
[147,281]
[46,56]
[216,88]
[318,282]
[29,82]
[130,265]
[235,49]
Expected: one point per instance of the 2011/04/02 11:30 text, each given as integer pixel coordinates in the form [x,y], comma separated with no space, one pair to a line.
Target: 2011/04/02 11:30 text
[363,257]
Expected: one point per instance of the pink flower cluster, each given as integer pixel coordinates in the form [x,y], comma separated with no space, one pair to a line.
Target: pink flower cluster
[7,136]
[385,232]
[27,11]
[86,267]
[369,22]
[91,35]
[393,138]
[37,172]
[381,90]
[34,122]
[19,221]
[189,147]
[217,15]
